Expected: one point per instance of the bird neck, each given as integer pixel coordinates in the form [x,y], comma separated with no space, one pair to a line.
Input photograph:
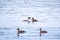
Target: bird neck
[40,29]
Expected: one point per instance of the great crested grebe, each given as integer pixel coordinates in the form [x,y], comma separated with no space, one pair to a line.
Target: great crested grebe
[34,20]
[20,31]
[42,31]
[28,20]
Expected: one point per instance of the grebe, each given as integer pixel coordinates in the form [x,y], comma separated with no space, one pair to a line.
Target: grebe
[34,20]
[20,31]
[42,31]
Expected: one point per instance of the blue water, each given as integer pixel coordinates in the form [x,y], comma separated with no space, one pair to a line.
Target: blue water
[12,12]
[31,34]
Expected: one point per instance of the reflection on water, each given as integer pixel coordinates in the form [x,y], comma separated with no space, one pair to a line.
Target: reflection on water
[31,34]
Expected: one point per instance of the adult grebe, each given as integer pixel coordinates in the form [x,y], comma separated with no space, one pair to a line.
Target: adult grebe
[20,31]
[34,20]
[42,31]
[28,20]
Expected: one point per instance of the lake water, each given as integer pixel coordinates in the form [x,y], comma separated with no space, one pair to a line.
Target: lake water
[12,12]
[32,33]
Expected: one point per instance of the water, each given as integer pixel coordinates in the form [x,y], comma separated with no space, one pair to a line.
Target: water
[31,34]
[12,12]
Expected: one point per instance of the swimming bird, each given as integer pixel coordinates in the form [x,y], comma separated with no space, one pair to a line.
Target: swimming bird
[28,20]
[20,31]
[42,31]
[34,20]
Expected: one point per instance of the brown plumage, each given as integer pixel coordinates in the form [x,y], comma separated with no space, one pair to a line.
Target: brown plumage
[42,31]
[25,20]
[20,31]
[34,20]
